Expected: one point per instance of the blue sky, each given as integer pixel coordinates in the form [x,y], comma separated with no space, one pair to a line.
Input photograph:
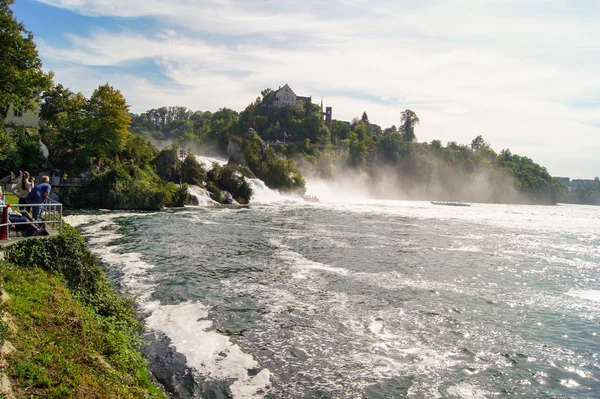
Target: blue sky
[522,73]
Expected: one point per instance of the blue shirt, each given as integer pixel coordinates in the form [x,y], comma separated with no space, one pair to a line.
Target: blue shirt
[36,196]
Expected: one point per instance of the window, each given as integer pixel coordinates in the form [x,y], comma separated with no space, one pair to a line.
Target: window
[17,112]
[286,97]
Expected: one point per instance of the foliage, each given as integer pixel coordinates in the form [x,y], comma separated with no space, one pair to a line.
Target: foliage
[123,185]
[231,179]
[167,163]
[276,171]
[108,121]
[408,120]
[65,129]
[193,171]
[472,172]
[22,151]
[83,342]
[584,191]
[181,196]
[22,79]
[80,131]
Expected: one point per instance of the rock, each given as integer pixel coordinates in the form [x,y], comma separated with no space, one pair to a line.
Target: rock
[5,388]
[7,349]
[234,151]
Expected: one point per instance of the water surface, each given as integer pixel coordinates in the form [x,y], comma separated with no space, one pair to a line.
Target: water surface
[371,299]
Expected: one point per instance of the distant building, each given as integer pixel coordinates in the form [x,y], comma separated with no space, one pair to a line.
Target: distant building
[20,118]
[328,116]
[286,96]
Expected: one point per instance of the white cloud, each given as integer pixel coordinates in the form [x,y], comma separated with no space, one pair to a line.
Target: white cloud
[509,70]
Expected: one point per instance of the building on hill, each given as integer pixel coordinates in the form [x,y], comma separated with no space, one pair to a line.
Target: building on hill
[22,118]
[286,96]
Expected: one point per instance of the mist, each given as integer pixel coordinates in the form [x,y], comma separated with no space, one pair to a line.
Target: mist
[435,182]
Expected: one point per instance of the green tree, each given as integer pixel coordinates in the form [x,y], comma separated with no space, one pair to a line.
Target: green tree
[268,95]
[22,79]
[139,150]
[108,118]
[479,144]
[408,120]
[168,164]
[193,171]
[65,128]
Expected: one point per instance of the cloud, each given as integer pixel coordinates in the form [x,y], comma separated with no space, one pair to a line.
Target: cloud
[512,71]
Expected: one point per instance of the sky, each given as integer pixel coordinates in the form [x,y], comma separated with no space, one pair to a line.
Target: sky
[524,74]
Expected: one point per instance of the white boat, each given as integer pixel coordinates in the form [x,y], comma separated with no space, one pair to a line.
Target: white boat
[450,203]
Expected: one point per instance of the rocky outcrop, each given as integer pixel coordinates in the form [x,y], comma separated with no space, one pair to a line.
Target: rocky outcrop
[234,151]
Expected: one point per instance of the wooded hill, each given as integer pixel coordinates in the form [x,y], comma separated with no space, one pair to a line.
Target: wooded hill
[390,162]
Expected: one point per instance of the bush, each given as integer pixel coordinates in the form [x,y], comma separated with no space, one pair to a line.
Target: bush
[65,255]
[231,179]
[123,185]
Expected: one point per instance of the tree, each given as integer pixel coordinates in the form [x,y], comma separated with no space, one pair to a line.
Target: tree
[56,102]
[108,120]
[22,79]
[408,120]
[364,117]
[268,95]
[65,128]
[193,171]
[479,144]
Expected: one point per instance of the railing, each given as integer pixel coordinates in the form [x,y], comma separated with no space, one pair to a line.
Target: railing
[51,214]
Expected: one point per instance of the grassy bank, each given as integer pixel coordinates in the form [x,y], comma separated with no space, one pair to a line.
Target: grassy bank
[74,335]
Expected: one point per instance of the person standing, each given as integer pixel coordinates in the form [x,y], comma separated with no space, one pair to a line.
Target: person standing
[38,195]
[23,189]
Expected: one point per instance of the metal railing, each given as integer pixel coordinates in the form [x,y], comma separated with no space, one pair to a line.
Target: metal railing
[50,214]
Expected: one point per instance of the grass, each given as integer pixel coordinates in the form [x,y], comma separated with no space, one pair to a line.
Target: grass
[60,343]
[77,337]
[11,198]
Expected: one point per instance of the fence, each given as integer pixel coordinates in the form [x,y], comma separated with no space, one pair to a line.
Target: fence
[51,214]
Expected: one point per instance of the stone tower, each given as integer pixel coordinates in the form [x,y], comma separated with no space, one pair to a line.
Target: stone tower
[328,112]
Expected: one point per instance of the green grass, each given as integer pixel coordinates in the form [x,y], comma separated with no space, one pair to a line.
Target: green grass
[61,345]
[11,198]
[77,337]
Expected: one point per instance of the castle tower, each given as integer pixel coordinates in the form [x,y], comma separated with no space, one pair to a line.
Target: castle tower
[328,115]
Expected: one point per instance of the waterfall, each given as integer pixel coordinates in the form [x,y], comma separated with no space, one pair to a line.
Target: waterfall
[200,196]
[207,162]
[261,194]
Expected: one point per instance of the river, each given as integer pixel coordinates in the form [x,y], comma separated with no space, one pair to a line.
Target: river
[363,298]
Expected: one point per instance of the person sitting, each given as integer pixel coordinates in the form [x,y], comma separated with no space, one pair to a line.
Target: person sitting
[17,218]
[38,195]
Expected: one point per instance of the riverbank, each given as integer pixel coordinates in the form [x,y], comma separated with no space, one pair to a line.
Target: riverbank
[73,334]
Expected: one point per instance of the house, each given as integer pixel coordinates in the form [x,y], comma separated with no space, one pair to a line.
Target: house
[22,118]
[286,96]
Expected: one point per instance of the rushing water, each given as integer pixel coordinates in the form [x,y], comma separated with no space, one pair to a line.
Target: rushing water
[372,299]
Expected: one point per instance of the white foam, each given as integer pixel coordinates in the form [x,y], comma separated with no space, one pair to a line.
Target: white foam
[207,351]
[591,295]
[201,196]
[466,391]
[304,266]
[208,161]
[210,353]
[261,194]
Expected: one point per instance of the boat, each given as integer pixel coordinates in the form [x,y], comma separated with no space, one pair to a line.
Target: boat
[311,198]
[450,203]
